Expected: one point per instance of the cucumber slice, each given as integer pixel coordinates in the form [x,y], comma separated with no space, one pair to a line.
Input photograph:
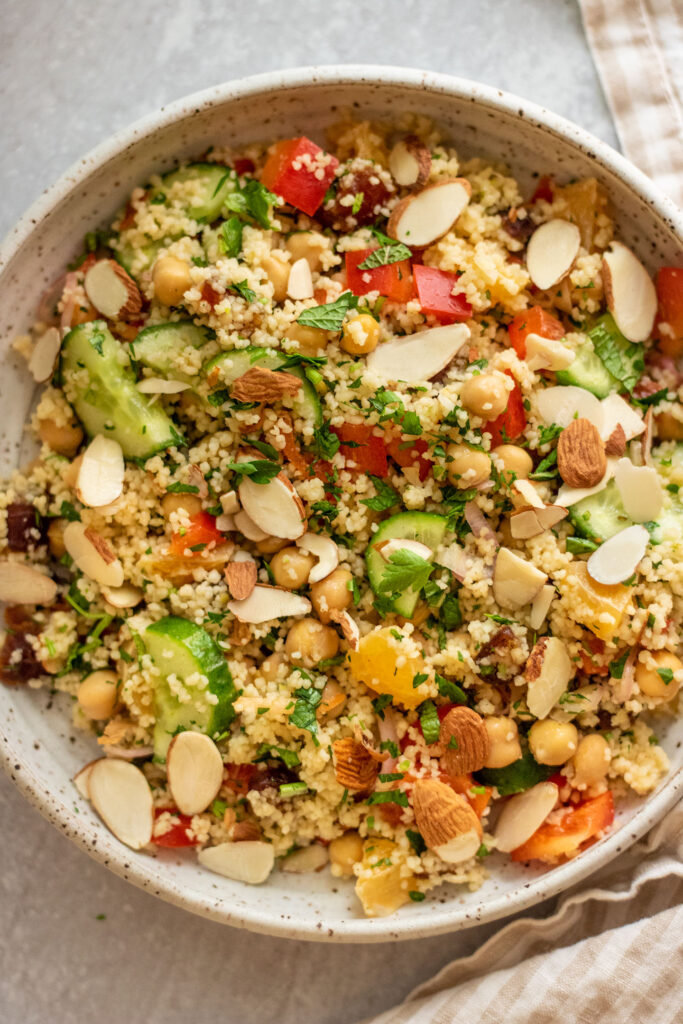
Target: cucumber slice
[129,255]
[161,347]
[180,648]
[601,515]
[426,527]
[215,184]
[588,371]
[222,370]
[104,396]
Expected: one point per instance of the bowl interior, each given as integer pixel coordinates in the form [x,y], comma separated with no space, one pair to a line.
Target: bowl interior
[41,751]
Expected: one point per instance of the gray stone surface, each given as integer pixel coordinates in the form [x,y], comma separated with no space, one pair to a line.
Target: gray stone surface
[76,943]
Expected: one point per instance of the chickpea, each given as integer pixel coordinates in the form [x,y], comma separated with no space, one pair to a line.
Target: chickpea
[591,760]
[55,537]
[290,568]
[312,340]
[648,677]
[467,467]
[668,428]
[360,335]
[484,395]
[515,460]
[553,742]
[64,438]
[504,741]
[345,851]
[331,594]
[172,279]
[189,503]
[270,666]
[270,545]
[307,245]
[277,270]
[98,694]
[309,642]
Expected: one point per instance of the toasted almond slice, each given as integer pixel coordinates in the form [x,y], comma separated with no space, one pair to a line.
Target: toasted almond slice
[551,252]
[250,861]
[274,507]
[300,282]
[630,293]
[617,412]
[241,578]
[348,626]
[418,356]
[93,555]
[266,603]
[640,489]
[125,596]
[194,767]
[548,672]
[100,476]
[547,354]
[523,814]
[311,858]
[425,216]
[564,403]
[230,503]
[161,386]
[247,527]
[446,821]
[515,581]
[581,458]
[45,354]
[616,442]
[325,550]
[531,522]
[529,493]
[391,547]
[81,779]
[410,162]
[617,559]
[540,606]
[112,291]
[568,496]
[22,584]
[121,796]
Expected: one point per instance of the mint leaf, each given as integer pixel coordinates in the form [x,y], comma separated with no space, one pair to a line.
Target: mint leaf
[290,758]
[230,241]
[261,471]
[179,488]
[429,721]
[303,713]
[329,317]
[450,690]
[388,796]
[243,290]
[416,841]
[254,200]
[325,441]
[516,777]
[393,252]
[620,357]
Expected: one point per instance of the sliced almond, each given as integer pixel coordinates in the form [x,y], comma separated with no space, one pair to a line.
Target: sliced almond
[617,412]
[446,821]
[241,579]
[274,507]
[112,291]
[332,702]
[325,550]
[45,354]
[548,672]
[354,768]
[194,768]
[121,796]
[616,442]
[161,386]
[348,626]
[100,476]
[529,493]
[547,354]
[515,581]
[531,522]
[387,548]
[540,606]
[246,526]
[260,384]
[418,356]
[22,584]
[410,162]
[312,858]
[266,603]
[564,403]
[93,555]
[568,496]
[465,740]
[230,503]
[581,458]
[249,862]
[226,524]
[617,559]
[125,596]
[630,293]
[81,779]
[640,489]
[300,282]
[425,216]
[523,814]
[551,252]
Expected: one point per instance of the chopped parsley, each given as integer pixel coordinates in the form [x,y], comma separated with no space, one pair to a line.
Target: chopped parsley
[388,796]
[261,471]
[385,498]
[405,571]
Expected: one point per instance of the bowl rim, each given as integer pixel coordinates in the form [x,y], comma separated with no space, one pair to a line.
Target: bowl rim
[116,857]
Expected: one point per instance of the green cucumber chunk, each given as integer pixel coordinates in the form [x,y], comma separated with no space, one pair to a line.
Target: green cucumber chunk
[601,515]
[215,183]
[224,369]
[184,650]
[139,256]
[162,346]
[425,527]
[104,396]
[589,372]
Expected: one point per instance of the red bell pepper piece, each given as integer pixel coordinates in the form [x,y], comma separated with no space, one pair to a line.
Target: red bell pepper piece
[434,292]
[300,172]
[177,835]
[577,826]
[393,280]
[511,423]
[544,190]
[243,165]
[670,296]
[406,452]
[201,531]
[370,456]
[533,321]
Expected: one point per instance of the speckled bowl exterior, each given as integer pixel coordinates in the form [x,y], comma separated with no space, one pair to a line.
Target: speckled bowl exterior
[39,748]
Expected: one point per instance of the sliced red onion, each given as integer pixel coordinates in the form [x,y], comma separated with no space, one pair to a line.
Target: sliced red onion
[478,524]
[388,733]
[623,691]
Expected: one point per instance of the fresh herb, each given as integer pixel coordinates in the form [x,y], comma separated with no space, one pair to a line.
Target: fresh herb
[455,501]
[580,545]
[482,852]
[650,621]
[665,674]
[265,449]
[548,434]
[450,690]
[386,497]
[230,241]
[623,359]
[325,442]
[419,678]
[429,722]
[391,776]
[405,571]
[178,488]
[416,841]
[616,667]
[330,316]
[389,252]
[654,399]
[290,758]
[388,796]
[416,896]
[326,511]
[390,746]
[288,789]
[261,471]
[242,289]
[570,697]
[220,397]
[380,703]
[303,714]
[352,585]
[218,808]
[253,200]
[546,469]
[69,512]
[453,744]
[450,613]
[516,777]
[410,424]
[357,202]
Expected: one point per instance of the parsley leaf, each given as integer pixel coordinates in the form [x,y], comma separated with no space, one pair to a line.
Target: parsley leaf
[548,434]
[254,200]
[69,512]
[380,703]
[388,796]
[385,498]
[243,290]
[330,316]
[450,690]
[405,571]
[325,441]
[546,469]
[665,674]
[450,614]
[178,488]
[416,841]
[290,758]
[616,667]
[303,713]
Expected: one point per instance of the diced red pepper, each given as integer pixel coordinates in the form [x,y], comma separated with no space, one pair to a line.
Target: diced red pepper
[544,190]
[533,321]
[300,172]
[201,532]
[177,835]
[393,280]
[243,165]
[670,296]
[407,452]
[434,292]
[511,423]
[370,456]
[577,826]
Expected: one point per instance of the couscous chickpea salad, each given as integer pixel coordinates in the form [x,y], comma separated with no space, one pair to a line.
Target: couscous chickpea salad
[355,532]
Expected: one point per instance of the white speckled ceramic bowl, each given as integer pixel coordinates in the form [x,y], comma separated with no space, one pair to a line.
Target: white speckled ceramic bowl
[39,748]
